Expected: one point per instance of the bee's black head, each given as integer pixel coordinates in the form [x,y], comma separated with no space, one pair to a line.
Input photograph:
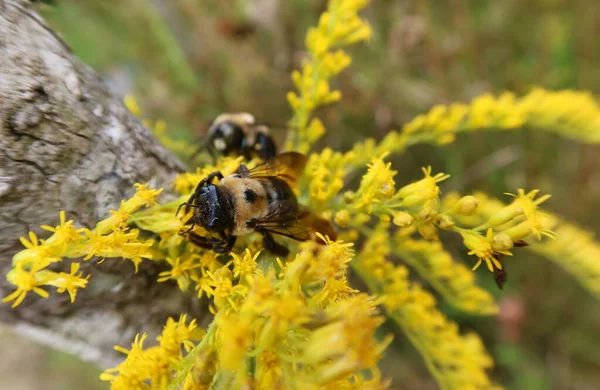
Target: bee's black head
[226,137]
[212,212]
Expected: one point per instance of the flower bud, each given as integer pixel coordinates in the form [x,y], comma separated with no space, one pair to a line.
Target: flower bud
[502,242]
[445,221]
[426,213]
[402,219]
[349,196]
[342,218]
[429,232]
[467,205]
[387,190]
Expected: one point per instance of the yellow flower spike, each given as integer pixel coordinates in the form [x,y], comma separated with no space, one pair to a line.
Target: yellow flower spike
[324,177]
[349,336]
[445,221]
[413,309]
[339,26]
[151,367]
[342,218]
[455,282]
[261,291]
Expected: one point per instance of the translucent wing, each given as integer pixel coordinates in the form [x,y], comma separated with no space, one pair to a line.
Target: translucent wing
[285,166]
[294,221]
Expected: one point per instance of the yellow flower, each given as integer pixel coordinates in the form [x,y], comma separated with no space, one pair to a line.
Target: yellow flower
[377,184]
[287,310]
[180,271]
[245,265]
[25,281]
[64,234]
[235,336]
[423,190]
[220,285]
[482,248]
[349,337]
[330,260]
[335,289]
[69,282]
[269,372]
[177,334]
[37,252]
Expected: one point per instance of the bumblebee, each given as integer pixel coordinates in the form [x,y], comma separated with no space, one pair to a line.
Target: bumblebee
[253,200]
[238,134]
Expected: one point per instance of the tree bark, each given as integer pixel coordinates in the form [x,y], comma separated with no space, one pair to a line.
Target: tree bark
[66,143]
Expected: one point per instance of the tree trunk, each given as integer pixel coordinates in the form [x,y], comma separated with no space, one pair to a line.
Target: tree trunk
[67,143]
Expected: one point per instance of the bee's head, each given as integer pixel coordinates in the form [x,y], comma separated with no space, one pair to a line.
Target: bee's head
[211,213]
[226,137]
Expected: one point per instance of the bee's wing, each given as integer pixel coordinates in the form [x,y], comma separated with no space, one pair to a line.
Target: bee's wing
[294,221]
[286,166]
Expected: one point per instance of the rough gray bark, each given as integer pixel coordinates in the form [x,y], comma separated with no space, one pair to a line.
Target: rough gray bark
[66,143]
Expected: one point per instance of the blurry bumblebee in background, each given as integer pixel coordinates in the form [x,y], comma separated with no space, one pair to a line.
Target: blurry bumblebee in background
[239,134]
[253,200]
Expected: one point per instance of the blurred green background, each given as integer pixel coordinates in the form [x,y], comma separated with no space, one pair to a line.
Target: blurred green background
[189,60]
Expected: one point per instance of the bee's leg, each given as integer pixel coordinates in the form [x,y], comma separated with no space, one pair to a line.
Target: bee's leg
[272,246]
[205,242]
[227,243]
[187,206]
[186,231]
[222,245]
[208,179]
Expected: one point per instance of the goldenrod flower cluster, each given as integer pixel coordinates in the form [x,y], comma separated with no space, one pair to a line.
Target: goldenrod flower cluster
[573,248]
[339,26]
[112,237]
[456,361]
[296,322]
[569,113]
[151,367]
